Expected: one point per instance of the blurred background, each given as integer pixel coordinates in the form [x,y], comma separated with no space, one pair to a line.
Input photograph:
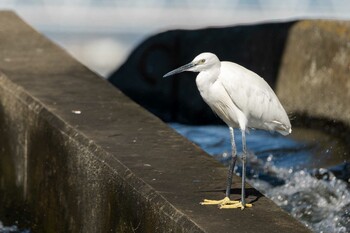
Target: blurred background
[102,33]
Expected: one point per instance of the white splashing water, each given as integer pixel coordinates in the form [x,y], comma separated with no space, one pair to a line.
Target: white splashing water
[323,205]
[11,229]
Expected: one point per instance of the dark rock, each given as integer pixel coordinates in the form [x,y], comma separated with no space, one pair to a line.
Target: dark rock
[257,47]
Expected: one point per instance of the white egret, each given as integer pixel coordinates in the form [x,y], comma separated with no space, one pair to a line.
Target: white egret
[242,99]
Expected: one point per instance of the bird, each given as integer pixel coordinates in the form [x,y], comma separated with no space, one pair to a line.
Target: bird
[243,100]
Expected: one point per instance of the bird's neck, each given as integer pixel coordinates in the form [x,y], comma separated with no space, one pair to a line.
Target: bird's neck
[207,77]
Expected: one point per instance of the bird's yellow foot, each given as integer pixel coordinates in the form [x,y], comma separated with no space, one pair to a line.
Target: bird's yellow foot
[236,205]
[226,203]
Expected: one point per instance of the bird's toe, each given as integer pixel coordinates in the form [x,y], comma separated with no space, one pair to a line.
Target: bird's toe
[215,202]
[235,205]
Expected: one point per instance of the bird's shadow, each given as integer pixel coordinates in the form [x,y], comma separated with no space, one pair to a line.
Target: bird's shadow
[249,192]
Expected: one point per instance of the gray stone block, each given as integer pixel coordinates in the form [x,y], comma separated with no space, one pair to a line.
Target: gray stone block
[314,77]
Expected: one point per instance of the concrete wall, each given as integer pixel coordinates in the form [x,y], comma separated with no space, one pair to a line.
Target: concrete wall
[112,168]
[314,76]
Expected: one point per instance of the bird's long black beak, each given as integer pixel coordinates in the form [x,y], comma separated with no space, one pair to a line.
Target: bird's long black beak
[180,69]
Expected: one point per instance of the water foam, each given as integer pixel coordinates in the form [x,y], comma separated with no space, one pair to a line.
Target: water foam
[11,229]
[322,203]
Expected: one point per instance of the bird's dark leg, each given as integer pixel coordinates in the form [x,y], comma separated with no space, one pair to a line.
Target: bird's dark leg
[232,163]
[244,158]
[226,203]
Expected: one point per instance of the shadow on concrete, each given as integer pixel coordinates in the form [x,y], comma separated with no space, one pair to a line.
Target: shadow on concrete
[252,194]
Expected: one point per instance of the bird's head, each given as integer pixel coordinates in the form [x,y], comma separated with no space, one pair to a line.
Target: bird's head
[202,62]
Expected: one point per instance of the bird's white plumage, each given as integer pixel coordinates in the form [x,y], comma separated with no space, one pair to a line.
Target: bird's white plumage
[240,97]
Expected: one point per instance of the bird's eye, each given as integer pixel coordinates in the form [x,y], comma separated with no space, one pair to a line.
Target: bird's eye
[201,61]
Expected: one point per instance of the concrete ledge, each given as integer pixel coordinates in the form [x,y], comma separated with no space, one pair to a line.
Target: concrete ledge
[112,168]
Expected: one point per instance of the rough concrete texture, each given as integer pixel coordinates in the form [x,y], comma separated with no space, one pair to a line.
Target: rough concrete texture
[257,47]
[112,168]
[314,77]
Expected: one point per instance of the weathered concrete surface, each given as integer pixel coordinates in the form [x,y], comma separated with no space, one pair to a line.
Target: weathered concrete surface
[112,168]
[314,76]
[257,47]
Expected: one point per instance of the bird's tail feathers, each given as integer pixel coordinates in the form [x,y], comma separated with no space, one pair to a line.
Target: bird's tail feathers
[282,128]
